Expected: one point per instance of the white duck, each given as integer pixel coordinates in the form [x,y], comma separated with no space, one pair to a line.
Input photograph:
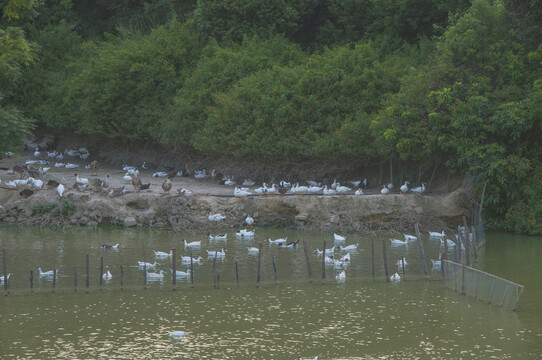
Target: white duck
[216,217]
[400,262]
[335,184]
[345,258]
[127,178]
[218,253]
[253,250]
[248,182]
[395,277]
[181,274]
[217,237]
[2,278]
[201,174]
[315,189]
[410,237]
[436,235]
[81,181]
[358,192]
[419,189]
[341,277]
[342,189]
[404,188]
[278,241]
[339,238]
[159,174]
[385,190]
[107,275]
[353,247]
[163,255]
[193,244]
[238,192]
[37,152]
[328,251]
[188,259]
[47,274]
[436,264]
[59,165]
[60,189]
[329,191]
[245,233]
[397,242]
[249,220]
[300,189]
[450,242]
[143,264]
[156,276]
[71,166]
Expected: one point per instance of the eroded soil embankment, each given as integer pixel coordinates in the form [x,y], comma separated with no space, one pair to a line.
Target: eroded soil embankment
[317,212]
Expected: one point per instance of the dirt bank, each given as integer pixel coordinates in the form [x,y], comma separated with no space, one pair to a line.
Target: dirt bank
[154,208]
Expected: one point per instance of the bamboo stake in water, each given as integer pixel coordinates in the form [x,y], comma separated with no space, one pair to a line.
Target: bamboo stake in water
[309,270]
[274,268]
[101,271]
[214,270]
[54,279]
[5,272]
[474,244]
[463,274]
[75,279]
[87,274]
[384,256]
[420,247]
[373,255]
[174,268]
[403,264]
[121,276]
[145,276]
[259,264]
[324,263]
[191,270]
[236,273]
[466,240]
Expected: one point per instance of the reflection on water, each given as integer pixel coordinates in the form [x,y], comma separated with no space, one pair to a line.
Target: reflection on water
[360,319]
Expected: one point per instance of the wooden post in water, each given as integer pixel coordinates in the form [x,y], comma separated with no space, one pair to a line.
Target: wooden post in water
[274,269]
[174,269]
[101,271]
[121,277]
[467,240]
[373,255]
[54,280]
[474,244]
[145,276]
[463,274]
[31,281]
[309,270]
[324,263]
[5,272]
[259,264]
[384,256]
[420,247]
[87,266]
[403,265]
[236,274]
[218,281]
[75,279]
[214,270]
[191,270]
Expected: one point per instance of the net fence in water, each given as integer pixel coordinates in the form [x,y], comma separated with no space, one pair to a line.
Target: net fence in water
[481,285]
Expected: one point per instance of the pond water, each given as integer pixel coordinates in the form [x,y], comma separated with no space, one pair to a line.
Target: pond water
[357,319]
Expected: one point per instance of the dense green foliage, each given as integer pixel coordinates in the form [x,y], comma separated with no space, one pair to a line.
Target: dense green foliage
[432,84]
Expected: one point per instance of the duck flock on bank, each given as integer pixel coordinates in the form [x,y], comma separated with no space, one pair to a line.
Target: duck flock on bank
[33,177]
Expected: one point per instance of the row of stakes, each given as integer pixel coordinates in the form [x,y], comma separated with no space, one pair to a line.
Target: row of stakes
[216,277]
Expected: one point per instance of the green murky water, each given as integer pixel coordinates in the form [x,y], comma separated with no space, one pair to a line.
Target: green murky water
[358,319]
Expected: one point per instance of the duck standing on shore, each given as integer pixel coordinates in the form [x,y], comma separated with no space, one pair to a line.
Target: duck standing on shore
[166,185]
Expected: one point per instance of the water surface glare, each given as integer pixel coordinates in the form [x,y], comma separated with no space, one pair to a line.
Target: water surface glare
[360,319]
